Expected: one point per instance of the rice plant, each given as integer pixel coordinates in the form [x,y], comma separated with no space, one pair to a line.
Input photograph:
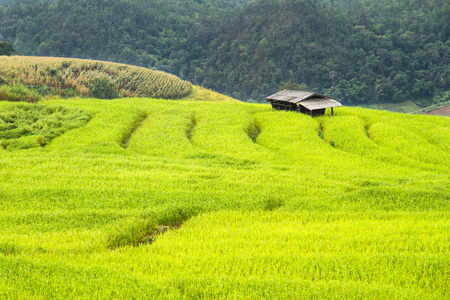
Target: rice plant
[27,126]
[177,199]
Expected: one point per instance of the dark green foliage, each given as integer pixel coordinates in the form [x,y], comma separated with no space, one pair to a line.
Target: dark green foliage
[6,48]
[68,93]
[292,85]
[381,51]
[28,126]
[31,93]
[102,88]
[19,93]
[52,72]
[42,90]
[254,131]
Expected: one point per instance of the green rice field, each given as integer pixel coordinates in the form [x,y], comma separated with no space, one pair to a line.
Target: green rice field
[158,199]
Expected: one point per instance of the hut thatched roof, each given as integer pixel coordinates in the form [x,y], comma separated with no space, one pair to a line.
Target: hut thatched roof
[309,100]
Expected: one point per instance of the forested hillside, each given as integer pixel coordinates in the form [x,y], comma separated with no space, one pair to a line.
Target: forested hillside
[359,51]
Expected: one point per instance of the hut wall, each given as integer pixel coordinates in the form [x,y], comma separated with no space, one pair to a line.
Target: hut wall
[313,113]
[283,105]
[318,112]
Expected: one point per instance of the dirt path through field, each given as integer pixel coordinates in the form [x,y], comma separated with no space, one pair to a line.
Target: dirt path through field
[444,111]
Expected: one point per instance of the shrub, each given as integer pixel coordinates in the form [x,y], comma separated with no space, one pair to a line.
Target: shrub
[42,90]
[68,93]
[6,48]
[102,88]
[52,72]
[19,93]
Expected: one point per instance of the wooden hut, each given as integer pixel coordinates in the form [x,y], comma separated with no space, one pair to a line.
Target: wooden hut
[309,103]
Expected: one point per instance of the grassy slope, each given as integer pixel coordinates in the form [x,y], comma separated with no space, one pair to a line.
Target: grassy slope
[77,74]
[289,216]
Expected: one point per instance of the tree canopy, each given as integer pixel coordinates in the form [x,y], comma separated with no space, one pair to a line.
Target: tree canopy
[6,48]
[380,51]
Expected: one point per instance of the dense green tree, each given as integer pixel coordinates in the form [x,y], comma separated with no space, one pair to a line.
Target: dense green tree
[385,50]
[6,48]
[292,85]
[102,88]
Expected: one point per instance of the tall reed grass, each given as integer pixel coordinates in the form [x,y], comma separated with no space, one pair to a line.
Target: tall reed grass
[77,74]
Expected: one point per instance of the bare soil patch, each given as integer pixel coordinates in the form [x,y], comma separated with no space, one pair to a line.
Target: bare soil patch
[444,111]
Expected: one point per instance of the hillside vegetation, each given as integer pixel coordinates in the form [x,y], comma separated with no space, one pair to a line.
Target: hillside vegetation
[74,76]
[379,51]
[194,199]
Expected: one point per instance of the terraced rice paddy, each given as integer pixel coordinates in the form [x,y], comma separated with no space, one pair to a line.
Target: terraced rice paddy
[188,199]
